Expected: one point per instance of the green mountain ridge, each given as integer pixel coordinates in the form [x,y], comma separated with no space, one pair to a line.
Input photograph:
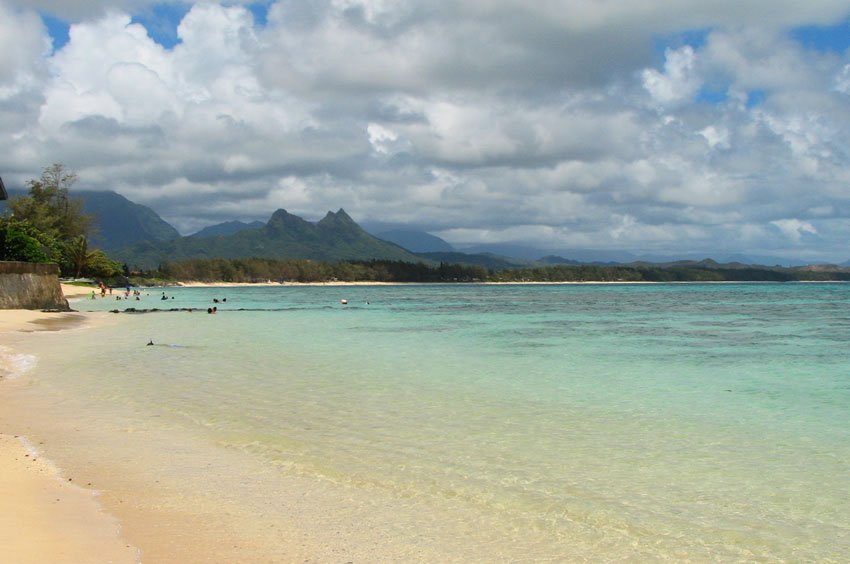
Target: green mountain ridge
[118,222]
[121,222]
[416,241]
[335,237]
[226,228]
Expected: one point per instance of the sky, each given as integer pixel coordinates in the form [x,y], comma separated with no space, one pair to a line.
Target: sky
[675,128]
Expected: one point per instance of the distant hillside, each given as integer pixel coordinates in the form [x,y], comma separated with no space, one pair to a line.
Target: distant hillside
[534,253]
[416,241]
[554,259]
[118,221]
[227,228]
[285,236]
[487,260]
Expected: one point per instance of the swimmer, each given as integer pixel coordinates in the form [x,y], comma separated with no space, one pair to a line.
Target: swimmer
[150,343]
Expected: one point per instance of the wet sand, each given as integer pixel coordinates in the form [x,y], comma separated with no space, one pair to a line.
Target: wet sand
[103,502]
[46,516]
[149,504]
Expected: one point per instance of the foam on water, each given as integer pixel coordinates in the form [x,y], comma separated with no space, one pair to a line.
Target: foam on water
[646,422]
[14,365]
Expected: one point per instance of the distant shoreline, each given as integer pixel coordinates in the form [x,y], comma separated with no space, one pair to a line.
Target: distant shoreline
[76,292]
[195,284]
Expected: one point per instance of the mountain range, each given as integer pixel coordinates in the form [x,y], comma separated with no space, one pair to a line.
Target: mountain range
[416,241]
[284,236]
[138,236]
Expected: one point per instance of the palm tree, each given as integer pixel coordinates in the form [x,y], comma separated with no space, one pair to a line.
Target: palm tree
[77,252]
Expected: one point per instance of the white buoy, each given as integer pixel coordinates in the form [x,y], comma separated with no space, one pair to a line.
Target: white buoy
[343,302]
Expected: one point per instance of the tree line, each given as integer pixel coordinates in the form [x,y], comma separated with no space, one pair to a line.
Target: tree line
[254,270]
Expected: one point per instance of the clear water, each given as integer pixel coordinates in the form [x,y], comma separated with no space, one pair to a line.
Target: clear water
[646,422]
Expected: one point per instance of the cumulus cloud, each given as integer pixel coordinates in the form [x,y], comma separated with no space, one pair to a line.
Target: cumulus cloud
[23,46]
[794,229]
[556,124]
[678,83]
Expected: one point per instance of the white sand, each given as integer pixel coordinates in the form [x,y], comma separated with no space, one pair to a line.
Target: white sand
[45,517]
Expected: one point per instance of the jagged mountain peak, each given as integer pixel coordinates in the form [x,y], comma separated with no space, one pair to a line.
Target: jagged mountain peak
[339,217]
[281,215]
[336,237]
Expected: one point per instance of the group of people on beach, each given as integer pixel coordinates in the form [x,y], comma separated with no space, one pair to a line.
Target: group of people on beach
[127,293]
[138,295]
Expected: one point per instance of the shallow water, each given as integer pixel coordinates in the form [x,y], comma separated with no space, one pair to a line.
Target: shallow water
[646,422]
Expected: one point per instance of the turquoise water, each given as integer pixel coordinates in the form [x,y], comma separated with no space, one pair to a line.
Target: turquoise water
[659,422]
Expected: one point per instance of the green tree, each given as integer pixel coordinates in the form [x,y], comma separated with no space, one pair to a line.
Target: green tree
[16,243]
[49,207]
[77,254]
[98,265]
[49,215]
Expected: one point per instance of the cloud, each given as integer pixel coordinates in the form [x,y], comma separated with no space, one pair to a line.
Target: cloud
[555,123]
[678,83]
[23,46]
[794,229]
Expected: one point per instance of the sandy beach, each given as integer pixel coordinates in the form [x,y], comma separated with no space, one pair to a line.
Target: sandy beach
[88,512]
[47,517]
[107,498]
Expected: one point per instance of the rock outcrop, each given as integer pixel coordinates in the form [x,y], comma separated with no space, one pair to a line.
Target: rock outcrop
[25,285]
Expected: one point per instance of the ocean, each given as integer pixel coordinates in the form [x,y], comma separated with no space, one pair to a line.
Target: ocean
[662,422]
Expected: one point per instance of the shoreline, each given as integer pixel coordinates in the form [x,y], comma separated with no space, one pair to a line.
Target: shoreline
[146,507]
[124,512]
[197,284]
[47,517]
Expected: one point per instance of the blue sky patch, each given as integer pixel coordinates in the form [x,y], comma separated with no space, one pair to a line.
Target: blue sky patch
[696,38]
[835,38]
[755,98]
[709,95]
[161,21]
[58,30]
[260,11]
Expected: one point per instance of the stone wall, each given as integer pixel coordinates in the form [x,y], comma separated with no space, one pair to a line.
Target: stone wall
[26,285]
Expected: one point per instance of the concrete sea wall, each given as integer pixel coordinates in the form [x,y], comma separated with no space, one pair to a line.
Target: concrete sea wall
[26,285]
